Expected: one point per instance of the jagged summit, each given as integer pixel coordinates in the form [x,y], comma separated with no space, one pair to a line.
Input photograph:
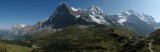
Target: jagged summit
[20,29]
[129,12]
[138,16]
[63,8]
[63,3]
[65,16]
[20,25]
[139,22]
[95,9]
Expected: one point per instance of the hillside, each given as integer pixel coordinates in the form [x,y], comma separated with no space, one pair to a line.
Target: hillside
[70,29]
[75,38]
[80,38]
[6,47]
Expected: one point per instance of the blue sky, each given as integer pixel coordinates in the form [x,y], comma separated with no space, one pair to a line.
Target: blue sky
[31,11]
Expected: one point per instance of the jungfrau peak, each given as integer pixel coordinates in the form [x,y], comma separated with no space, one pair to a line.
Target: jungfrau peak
[139,22]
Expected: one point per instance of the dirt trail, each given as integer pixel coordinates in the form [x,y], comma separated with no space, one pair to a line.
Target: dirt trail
[150,46]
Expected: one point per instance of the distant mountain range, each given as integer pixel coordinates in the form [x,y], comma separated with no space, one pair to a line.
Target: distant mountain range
[65,16]
[69,29]
[20,29]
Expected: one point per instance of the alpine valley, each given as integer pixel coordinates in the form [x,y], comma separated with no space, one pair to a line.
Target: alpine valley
[71,29]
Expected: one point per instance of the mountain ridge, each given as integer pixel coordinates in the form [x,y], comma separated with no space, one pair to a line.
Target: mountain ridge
[65,16]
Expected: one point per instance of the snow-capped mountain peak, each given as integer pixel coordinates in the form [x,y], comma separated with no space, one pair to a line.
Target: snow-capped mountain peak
[137,21]
[20,29]
[63,8]
[74,9]
[63,3]
[128,12]
[96,9]
[20,25]
[137,16]
[121,20]
[65,16]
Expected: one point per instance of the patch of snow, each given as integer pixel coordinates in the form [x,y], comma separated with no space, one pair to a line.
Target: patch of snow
[20,26]
[95,19]
[121,20]
[156,28]
[128,13]
[46,19]
[96,9]
[142,17]
[74,9]
[147,18]
[78,16]
[93,12]
[113,22]
[98,18]
[62,3]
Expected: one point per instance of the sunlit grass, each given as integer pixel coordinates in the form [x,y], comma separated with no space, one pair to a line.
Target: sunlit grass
[13,48]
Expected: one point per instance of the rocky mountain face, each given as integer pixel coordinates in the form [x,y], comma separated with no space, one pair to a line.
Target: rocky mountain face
[90,30]
[140,23]
[65,16]
[21,29]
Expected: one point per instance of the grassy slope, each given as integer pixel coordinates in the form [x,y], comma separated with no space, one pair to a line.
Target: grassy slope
[93,38]
[124,32]
[13,48]
[155,37]
[156,48]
